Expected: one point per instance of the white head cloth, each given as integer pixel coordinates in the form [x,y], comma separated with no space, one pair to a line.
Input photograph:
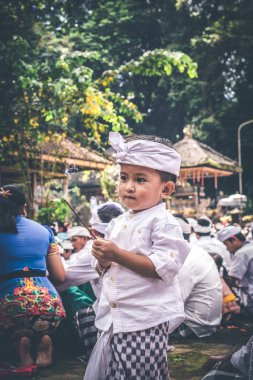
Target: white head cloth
[145,153]
[228,232]
[95,221]
[203,229]
[77,231]
[66,244]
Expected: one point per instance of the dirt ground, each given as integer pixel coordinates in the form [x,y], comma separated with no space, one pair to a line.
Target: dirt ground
[185,361]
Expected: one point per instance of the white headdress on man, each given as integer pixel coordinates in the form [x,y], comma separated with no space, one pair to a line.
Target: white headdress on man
[77,231]
[228,232]
[203,225]
[150,154]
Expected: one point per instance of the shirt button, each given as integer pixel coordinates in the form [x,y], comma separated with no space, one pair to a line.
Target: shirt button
[139,230]
[113,305]
[124,227]
[173,254]
[112,279]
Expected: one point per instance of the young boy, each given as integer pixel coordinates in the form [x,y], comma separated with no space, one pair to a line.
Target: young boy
[138,260]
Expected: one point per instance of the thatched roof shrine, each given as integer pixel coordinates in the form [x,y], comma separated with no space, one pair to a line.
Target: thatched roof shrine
[51,158]
[200,161]
[66,152]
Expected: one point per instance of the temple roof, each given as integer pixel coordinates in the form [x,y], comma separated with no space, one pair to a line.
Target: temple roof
[65,151]
[53,157]
[197,155]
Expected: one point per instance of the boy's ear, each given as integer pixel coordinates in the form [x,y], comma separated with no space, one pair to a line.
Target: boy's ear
[168,189]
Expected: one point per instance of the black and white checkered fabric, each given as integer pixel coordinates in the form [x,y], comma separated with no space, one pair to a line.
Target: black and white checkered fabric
[85,323]
[222,375]
[140,355]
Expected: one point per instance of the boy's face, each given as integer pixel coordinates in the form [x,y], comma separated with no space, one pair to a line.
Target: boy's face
[140,188]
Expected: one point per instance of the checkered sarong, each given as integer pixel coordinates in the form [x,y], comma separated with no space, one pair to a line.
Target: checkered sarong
[222,375]
[140,355]
[85,323]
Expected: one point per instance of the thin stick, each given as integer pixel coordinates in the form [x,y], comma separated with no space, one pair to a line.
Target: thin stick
[80,220]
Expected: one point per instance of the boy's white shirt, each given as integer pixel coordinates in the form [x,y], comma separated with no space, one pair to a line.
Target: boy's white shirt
[131,302]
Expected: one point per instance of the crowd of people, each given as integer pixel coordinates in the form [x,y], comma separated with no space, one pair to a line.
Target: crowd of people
[119,290]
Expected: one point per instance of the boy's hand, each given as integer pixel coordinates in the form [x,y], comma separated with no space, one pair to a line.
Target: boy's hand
[104,264]
[104,250]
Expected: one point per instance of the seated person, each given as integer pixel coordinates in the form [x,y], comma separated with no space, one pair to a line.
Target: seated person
[201,291]
[61,231]
[230,305]
[67,249]
[205,240]
[30,307]
[241,268]
[238,365]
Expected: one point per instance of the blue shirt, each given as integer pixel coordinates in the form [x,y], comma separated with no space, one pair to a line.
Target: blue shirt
[27,248]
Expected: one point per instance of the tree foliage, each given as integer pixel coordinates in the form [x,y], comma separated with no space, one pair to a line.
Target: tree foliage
[86,67]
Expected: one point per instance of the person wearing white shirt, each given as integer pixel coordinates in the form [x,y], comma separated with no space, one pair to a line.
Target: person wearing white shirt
[203,231]
[201,290]
[139,261]
[241,268]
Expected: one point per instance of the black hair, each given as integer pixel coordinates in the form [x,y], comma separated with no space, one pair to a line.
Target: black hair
[165,176]
[239,236]
[12,199]
[203,222]
[62,225]
[108,211]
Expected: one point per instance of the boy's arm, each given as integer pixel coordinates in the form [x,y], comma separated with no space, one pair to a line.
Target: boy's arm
[107,250]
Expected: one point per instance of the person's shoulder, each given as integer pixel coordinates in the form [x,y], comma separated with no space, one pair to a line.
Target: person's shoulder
[246,249]
[166,218]
[199,260]
[31,223]
[197,251]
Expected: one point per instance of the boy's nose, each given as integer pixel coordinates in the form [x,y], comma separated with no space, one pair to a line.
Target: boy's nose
[130,187]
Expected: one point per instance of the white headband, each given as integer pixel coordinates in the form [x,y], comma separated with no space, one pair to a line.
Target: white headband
[228,232]
[145,153]
[198,228]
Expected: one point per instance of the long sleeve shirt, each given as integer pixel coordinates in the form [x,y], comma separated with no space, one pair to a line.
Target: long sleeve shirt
[129,301]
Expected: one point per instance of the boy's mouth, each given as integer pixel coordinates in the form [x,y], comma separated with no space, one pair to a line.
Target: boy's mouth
[129,197]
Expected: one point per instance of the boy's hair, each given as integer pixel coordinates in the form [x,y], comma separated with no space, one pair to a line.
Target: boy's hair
[165,176]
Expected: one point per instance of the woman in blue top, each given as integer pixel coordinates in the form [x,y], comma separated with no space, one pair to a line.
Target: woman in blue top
[30,307]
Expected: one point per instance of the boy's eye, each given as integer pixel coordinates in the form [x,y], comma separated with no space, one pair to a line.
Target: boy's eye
[123,178]
[140,180]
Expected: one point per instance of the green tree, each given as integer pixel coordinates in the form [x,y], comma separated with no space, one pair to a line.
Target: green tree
[50,86]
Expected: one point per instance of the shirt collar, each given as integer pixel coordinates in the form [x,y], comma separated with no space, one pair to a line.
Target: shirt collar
[161,206]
